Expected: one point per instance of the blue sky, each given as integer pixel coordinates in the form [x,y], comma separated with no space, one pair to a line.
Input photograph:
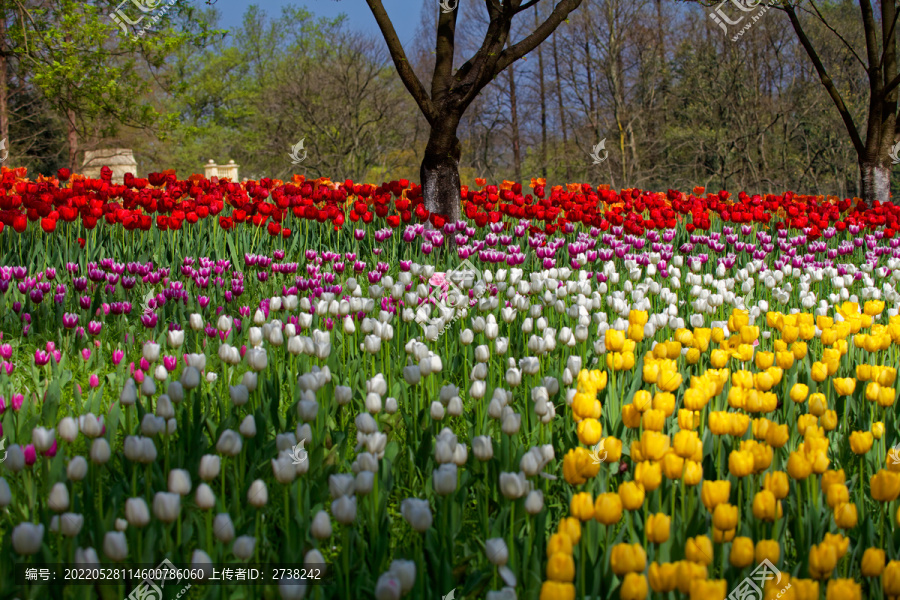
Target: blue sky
[405,14]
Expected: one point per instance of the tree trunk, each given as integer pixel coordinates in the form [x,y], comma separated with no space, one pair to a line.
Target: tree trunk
[514,123]
[4,88]
[439,172]
[543,103]
[73,141]
[875,181]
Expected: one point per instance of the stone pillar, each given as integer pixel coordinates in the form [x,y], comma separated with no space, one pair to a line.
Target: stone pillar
[211,169]
[120,160]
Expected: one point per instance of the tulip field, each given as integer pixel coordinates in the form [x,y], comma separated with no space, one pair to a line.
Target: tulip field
[574,392]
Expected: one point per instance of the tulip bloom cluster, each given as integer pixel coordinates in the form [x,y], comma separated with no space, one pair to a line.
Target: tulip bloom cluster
[618,393]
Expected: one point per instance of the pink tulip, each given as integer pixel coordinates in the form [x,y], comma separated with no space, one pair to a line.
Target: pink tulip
[94,380]
[139,376]
[117,356]
[30,454]
[86,354]
[51,451]
[16,401]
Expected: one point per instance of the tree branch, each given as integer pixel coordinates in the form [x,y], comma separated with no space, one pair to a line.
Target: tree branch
[840,37]
[515,52]
[826,80]
[444,50]
[404,69]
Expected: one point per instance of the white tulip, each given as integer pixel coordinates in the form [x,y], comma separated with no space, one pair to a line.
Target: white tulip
[59,498]
[175,338]
[258,494]
[115,546]
[344,509]
[136,512]
[27,538]
[166,506]
[223,528]
[76,469]
[180,482]
[210,464]
[321,526]
[100,451]
[204,497]
[248,427]
[71,524]
[190,377]
[196,322]
[243,547]
[417,513]
[151,352]
[497,551]
[68,429]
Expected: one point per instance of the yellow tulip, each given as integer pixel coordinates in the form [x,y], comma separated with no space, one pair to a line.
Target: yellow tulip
[708,589]
[740,464]
[672,466]
[608,508]
[819,372]
[861,441]
[829,422]
[822,560]
[840,542]
[890,579]
[613,447]
[886,397]
[818,404]
[571,527]
[699,550]
[632,495]
[805,589]
[686,572]
[634,587]
[559,542]
[649,475]
[627,558]
[778,436]
[589,432]
[885,486]
[741,554]
[693,473]
[768,550]
[845,515]
[615,340]
[766,507]
[657,528]
[844,386]
[654,445]
[662,577]
[582,506]
[714,493]
[721,536]
[873,562]
[799,349]
[718,358]
[878,430]
[561,567]
[798,467]
[688,419]
[799,392]
[556,590]
[665,402]
[725,517]
[654,420]
[835,494]
[843,589]
[777,483]
[830,478]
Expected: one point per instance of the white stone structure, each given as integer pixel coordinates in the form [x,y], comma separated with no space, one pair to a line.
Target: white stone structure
[229,171]
[120,160]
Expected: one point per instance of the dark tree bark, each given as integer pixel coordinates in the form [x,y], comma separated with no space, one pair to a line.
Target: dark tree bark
[543,102]
[514,123]
[452,93]
[881,68]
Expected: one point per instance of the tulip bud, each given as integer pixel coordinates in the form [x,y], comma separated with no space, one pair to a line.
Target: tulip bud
[205,498]
[243,547]
[68,429]
[115,546]
[179,482]
[444,479]
[166,506]
[27,538]
[77,469]
[321,526]
[190,378]
[344,509]
[229,443]
[534,502]
[136,512]
[5,494]
[59,498]
[70,524]
[417,513]
[99,451]
[248,427]
[483,448]
[196,322]
[128,396]
[223,528]
[151,352]
[497,552]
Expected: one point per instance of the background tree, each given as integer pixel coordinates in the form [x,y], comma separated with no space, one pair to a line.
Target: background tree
[452,93]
